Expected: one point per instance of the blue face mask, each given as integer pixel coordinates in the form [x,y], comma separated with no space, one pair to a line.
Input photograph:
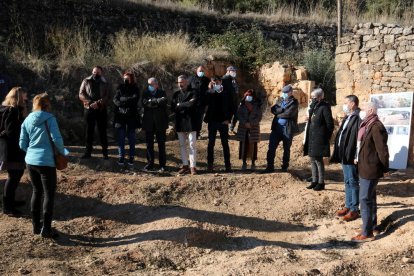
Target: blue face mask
[285,96]
[218,88]
[200,74]
[151,88]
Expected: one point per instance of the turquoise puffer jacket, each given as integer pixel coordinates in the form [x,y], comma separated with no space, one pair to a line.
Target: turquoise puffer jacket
[34,139]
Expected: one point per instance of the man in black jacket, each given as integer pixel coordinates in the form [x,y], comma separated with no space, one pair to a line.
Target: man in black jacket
[199,83]
[284,126]
[155,122]
[345,152]
[219,111]
[183,104]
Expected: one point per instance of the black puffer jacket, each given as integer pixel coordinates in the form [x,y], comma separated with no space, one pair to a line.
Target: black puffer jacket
[126,103]
[319,130]
[11,119]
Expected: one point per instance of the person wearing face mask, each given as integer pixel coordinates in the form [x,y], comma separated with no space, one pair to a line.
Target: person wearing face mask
[155,122]
[94,94]
[248,132]
[218,114]
[183,105]
[199,83]
[230,84]
[284,126]
[318,134]
[345,148]
[126,118]
[372,160]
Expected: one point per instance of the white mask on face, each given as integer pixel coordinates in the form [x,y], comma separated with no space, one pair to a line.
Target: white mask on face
[249,98]
[233,74]
[362,114]
[345,108]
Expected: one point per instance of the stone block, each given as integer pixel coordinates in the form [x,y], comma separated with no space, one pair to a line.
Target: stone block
[365,32]
[395,84]
[385,89]
[345,57]
[389,39]
[410,75]
[372,43]
[306,86]
[408,31]
[301,73]
[344,79]
[390,55]
[396,69]
[377,75]
[342,49]
[397,30]
[374,57]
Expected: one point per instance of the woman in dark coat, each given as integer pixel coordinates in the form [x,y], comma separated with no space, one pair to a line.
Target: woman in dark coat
[318,134]
[248,133]
[126,116]
[12,114]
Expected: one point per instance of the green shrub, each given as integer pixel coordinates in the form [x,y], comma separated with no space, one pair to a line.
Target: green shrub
[321,68]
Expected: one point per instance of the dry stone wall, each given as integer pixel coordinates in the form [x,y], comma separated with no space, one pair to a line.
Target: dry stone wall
[373,59]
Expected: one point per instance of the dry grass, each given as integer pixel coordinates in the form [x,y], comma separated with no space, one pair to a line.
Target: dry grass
[168,51]
[41,65]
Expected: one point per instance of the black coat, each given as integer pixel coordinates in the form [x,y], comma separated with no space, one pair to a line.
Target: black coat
[11,119]
[155,110]
[219,106]
[345,150]
[232,87]
[183,104]
[319,130]
[126,111]
[289,112]
[200,87]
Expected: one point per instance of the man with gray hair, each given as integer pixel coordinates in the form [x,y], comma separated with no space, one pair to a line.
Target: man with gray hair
[155,122]
[183,104]
[373,162]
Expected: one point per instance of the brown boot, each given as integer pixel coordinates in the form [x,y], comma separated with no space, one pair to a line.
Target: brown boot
[352,215]
[184,170]
[193,171]
[342,212]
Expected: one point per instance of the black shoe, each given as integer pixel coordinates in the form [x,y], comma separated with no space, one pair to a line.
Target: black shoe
[228,170]
[131,161]
[86,155]
[312,185]
[162,170]
[309,179]
[268,170]
[49,233]
[319,187]
[121,161]
[148,167]
[284,169]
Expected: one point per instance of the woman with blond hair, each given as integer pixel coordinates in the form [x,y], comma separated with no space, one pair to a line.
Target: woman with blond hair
[38,132]
[12,114]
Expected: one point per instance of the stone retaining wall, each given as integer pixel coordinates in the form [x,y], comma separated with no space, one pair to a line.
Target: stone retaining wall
[376,58]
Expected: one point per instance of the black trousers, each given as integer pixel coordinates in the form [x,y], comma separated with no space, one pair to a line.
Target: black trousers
[100,118]
[223,129]
[12,181]
[44,182]
[161,137]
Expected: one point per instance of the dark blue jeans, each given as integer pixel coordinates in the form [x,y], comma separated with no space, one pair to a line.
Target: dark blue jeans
[351,187]
[223,129]
[368,200]
[276,136]
[126,131]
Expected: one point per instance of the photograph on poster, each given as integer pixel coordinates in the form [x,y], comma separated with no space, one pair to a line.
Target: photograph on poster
[394,116]
[392,100]
[390,129]
[402,130]
[394,111]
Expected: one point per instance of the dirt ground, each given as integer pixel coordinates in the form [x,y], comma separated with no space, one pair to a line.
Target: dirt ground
[119,221]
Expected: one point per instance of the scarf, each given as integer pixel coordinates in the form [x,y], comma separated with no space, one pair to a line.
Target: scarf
[365,125]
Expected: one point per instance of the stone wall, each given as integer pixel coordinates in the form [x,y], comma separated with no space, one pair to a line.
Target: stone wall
[376,58]
[33,17]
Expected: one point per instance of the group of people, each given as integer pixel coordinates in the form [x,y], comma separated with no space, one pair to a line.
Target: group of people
[29,139]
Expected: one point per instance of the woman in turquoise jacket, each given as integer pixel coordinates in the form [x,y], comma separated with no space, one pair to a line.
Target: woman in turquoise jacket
[34,140]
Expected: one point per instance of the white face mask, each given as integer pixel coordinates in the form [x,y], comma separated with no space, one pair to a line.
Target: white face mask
[233,74]
[362,114]
[345,108]
[249,98]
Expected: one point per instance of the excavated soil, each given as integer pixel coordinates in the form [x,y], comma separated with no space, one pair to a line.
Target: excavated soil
[120,221]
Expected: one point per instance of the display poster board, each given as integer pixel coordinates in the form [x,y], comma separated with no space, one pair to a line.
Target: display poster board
[394,111]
